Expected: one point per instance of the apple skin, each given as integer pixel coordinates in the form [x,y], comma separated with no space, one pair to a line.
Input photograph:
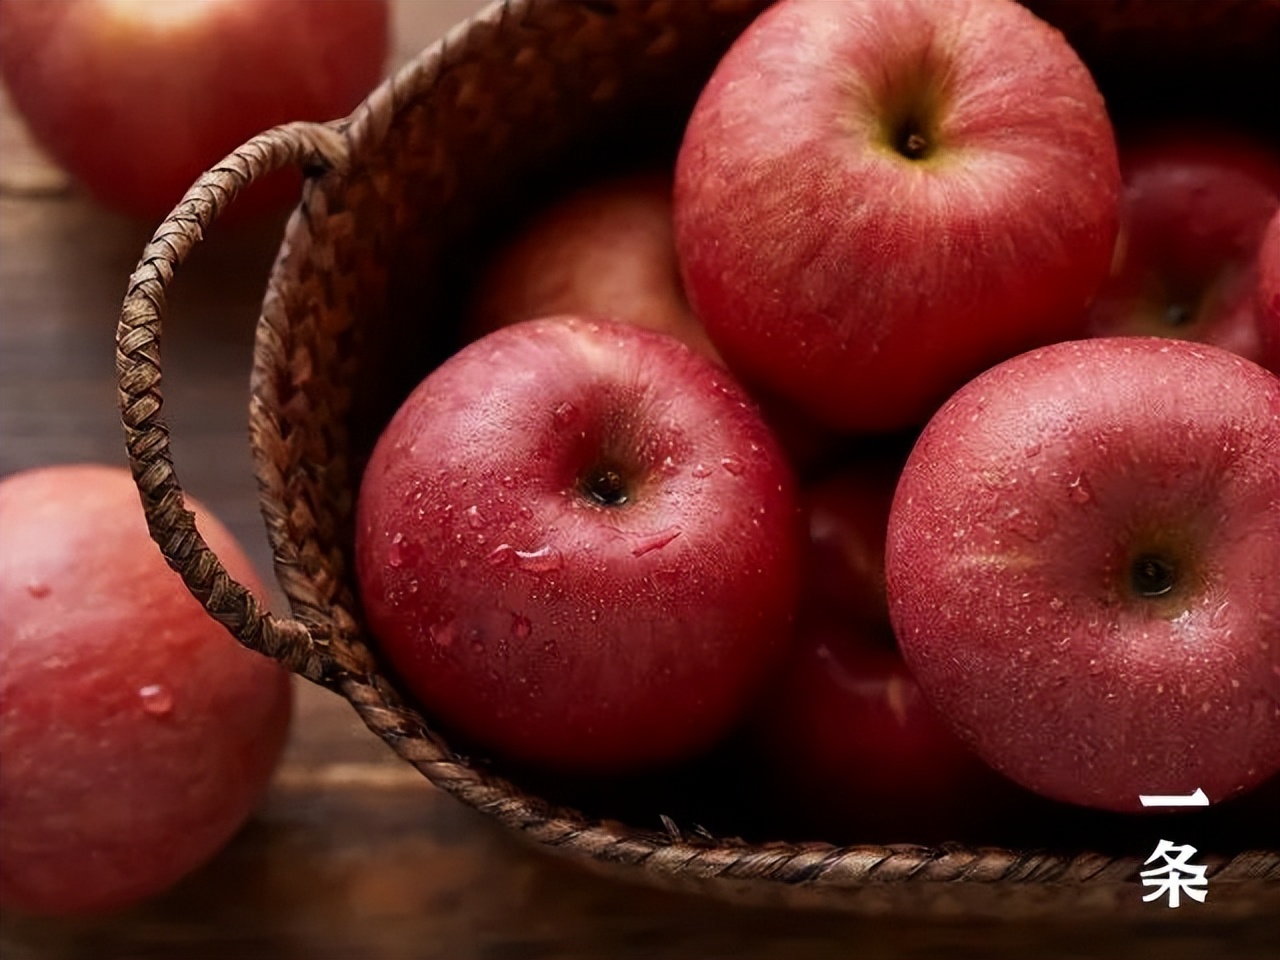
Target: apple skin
[137,735]
[1268,294]
[605,250]
[608,250]
[866,284]
[854,750]
[1196,203]
[137,99]
[857,753]
[553,626]
[1038,519]
[847,513]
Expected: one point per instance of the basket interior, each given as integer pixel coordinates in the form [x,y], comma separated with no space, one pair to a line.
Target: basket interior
[524,101]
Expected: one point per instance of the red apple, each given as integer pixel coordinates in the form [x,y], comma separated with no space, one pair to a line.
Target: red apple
[137,735]
[846,736]
[855,750]
[576,542]
[137,98]
[1081,567]
[1196,203]
[605,250]
[1268,294]
[876,199]
[848,517]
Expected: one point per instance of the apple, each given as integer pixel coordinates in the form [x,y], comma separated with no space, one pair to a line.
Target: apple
[845,736]
[1195,205]
[1081,569]
[855,750]
[137,735]
[576,542]
[137,98]
[1268,294]
[607,250]
[876,199]
[604,250]
[847,510]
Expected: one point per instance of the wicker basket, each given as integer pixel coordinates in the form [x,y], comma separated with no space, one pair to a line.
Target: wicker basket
[400,197]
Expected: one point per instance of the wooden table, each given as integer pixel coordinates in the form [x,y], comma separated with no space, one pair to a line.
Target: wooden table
[354,855]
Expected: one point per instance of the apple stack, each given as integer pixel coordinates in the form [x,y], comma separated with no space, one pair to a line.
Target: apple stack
[901,445]
[587,548]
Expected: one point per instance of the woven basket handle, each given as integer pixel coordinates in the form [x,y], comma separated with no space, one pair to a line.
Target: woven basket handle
[316,148]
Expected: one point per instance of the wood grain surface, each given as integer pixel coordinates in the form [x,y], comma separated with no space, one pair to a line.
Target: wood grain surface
[353,854]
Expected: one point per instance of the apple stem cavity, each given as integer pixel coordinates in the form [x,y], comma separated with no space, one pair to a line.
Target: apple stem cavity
[605,486]
[911,142]
[1152,576]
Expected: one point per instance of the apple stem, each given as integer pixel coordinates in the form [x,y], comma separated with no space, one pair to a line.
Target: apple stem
[915,146]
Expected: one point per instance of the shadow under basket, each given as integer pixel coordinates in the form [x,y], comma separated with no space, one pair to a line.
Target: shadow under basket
[401,200]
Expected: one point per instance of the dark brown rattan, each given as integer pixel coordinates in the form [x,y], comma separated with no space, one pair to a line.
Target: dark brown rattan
[389,192]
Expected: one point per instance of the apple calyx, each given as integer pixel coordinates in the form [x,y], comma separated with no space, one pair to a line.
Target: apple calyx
[605,486]
[1153,575]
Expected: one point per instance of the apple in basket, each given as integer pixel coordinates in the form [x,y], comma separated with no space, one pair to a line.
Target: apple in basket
[845,738]
[137,98]
[604,250]
[1081,568]
[876,199]
[576,543]
[607,250]
[137,735]
[1195,205]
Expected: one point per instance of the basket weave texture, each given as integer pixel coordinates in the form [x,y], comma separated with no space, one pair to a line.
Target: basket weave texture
[398,195]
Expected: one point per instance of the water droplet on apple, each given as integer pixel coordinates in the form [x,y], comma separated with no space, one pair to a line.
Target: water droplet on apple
[733,465]
[443,633]
[474,518]
[508,481]
[564,413]
[38,589]
[1078,490]
[655,541]
[520,627]
[500,554]
[157,699]
[669,466]
[401,552]
[1033,449]
[1029,526]
[543,560]
[701,471]
[1056,604]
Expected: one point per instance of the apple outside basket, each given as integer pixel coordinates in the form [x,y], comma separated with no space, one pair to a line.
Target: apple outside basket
[399,198]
